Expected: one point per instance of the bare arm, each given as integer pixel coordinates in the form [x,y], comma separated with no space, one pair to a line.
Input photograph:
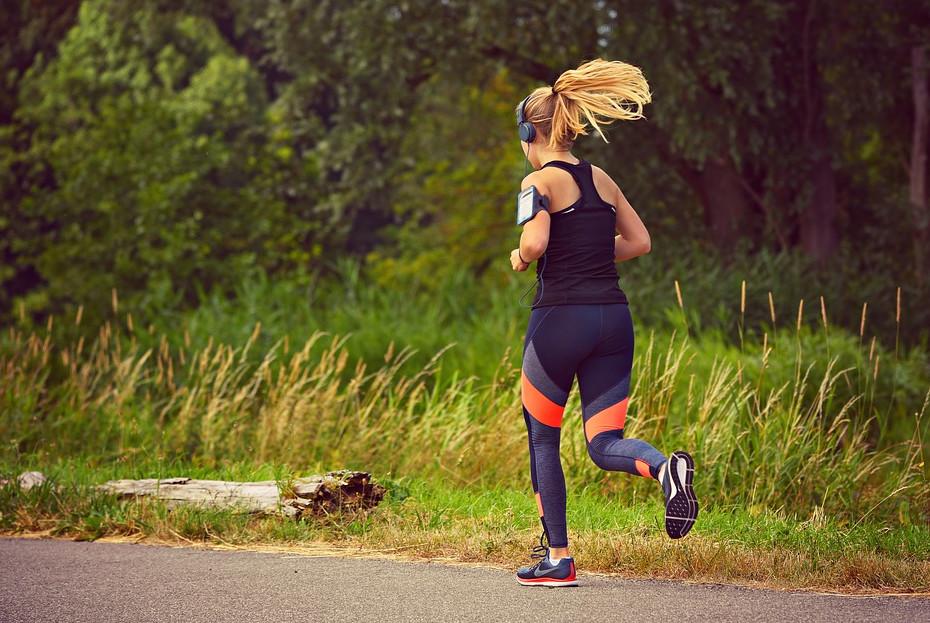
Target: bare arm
[633,239]
[535,236]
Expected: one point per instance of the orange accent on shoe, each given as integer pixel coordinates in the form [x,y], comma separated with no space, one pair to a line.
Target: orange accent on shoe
[643,468]
[544,578]
[611,418]
[540,407]
[539,504]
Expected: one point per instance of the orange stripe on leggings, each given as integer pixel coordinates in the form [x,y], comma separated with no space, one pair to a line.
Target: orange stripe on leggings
[539,406]
[643,468]
[539,504]
[611,418]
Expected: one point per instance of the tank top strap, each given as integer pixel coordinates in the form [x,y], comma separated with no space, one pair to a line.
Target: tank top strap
[566,166]
[583,177]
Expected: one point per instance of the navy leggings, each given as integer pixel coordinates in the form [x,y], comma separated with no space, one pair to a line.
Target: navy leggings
[596,343]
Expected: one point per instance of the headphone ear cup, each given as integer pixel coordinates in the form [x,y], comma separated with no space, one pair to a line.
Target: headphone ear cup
[524,128]
[527,132]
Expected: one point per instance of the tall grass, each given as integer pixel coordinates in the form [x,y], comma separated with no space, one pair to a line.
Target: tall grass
[799,419]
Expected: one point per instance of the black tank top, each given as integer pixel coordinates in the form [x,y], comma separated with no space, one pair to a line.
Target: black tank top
[578,266]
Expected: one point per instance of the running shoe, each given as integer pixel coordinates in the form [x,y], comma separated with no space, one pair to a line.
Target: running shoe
[544,573]
[681,505]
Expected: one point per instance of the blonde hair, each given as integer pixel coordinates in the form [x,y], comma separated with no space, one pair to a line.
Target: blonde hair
[597,93]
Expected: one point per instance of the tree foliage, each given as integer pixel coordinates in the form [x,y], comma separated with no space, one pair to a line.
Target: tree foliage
[153,140]
[167,148]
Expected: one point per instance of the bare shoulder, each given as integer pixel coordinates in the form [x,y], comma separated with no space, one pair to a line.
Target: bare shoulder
[601,177]
[605,184]
[542,179]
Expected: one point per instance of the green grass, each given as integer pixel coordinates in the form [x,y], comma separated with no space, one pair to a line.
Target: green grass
[802,431]
[611,534]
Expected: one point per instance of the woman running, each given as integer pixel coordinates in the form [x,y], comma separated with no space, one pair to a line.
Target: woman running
[580,323]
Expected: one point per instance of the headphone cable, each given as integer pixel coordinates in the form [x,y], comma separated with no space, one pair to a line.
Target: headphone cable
[539,279]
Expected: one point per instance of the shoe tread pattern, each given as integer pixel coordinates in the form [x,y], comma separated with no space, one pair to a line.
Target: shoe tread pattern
[682,510]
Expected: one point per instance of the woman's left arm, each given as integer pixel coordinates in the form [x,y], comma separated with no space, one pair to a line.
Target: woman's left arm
[535,236]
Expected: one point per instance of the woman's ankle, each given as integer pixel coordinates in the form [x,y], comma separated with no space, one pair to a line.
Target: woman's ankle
[558,552]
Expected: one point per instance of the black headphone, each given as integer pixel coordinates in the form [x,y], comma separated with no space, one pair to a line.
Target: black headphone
[525,128]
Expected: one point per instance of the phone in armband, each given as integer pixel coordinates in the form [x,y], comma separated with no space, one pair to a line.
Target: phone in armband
[529,202]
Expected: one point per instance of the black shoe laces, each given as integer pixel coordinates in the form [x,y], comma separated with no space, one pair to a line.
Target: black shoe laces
[541,550]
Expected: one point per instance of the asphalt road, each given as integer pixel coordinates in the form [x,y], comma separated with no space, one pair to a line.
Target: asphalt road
[55,580]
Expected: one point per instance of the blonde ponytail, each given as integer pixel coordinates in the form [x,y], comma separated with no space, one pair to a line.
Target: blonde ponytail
[597,93]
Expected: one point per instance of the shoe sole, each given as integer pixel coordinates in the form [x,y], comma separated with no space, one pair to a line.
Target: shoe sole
[682,510]
[548,582]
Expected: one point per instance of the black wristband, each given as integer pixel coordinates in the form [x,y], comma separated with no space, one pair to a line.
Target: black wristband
[521,257]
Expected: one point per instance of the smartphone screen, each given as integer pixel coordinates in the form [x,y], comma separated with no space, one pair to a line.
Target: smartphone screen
[525,204]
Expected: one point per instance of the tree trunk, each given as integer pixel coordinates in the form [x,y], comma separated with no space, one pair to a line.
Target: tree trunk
[726,206]
[719,186]
[819,233]
[918,173]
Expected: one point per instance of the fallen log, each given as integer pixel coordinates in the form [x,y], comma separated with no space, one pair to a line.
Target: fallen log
[342,490]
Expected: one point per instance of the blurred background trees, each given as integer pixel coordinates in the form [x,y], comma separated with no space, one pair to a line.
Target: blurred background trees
[171,148]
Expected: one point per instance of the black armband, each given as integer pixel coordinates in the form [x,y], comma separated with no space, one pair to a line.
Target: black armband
[529,203]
